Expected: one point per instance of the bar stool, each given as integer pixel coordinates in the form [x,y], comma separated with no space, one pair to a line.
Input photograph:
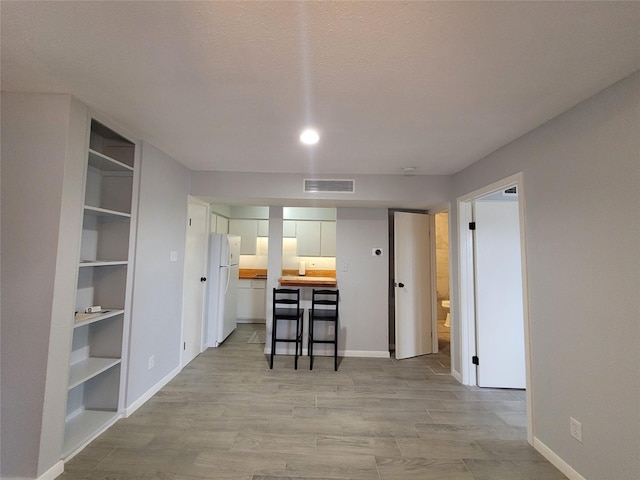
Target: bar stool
[324,308]
[286,307]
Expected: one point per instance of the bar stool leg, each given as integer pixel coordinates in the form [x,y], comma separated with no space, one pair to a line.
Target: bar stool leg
[298,339]
[310,343]
[335,350]
[273,341]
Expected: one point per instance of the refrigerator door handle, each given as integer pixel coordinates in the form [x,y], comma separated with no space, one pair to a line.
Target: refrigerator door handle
[226,287]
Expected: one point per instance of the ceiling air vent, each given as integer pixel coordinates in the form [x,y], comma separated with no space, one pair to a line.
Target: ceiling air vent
[329,186]
[510,192]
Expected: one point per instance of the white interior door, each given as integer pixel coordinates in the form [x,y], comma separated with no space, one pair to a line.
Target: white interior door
[412,276]
[499,308]
[195,269]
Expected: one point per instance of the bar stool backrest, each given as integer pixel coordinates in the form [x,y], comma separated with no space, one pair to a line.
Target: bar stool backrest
[326,300]
[286,298]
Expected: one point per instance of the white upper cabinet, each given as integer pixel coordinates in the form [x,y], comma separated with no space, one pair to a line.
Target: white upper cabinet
[263,228]
[289,229]
[212,225]
[316,239]
[222,224]
[328,239]
[308,236]
[248,231]
[219,224]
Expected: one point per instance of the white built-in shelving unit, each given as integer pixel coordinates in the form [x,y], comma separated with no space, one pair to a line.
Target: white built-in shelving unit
[95,389]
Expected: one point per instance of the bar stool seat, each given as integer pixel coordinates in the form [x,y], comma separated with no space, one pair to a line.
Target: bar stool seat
[324,308]
[286,307]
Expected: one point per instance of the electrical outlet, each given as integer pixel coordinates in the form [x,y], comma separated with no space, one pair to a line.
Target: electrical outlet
[332,330]
[152,361]
[576,429]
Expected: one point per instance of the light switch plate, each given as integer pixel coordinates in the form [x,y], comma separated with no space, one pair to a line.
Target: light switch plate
[173,256]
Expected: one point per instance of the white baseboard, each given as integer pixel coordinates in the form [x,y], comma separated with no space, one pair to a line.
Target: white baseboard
[261,321]
[556,461]
[53,472]
[56,470]
[364,354]
[151,392]
[456,375]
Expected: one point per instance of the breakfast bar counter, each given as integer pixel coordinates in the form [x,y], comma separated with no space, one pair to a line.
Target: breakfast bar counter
[307,281]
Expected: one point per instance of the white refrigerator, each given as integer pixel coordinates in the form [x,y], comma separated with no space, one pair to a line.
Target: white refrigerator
[222,292]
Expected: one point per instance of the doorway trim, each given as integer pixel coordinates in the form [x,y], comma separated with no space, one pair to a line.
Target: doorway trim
[467,286]
[438,209]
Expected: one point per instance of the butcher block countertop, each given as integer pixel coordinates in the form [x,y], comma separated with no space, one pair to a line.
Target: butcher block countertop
[253,273]
[313,278]
[290,278]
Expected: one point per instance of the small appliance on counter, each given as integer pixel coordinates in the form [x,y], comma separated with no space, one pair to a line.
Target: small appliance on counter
[302,268]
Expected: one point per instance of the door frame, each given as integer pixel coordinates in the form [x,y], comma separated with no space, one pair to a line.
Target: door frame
[443,208]
[466,289]
[191,199]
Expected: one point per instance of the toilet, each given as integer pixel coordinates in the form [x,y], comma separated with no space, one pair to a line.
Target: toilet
[446,304]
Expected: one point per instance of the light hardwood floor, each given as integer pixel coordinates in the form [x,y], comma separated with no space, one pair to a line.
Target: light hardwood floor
[227,416]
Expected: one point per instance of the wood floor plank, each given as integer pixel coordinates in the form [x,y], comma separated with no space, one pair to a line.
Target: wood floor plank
[227,415]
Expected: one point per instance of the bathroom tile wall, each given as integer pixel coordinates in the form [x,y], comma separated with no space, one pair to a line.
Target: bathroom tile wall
[442,259]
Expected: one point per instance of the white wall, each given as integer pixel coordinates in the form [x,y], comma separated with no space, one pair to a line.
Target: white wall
[363,280]
[41,209]
[156,319]
[420,191]
[582,197]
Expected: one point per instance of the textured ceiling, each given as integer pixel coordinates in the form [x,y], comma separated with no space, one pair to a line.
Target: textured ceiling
[228,85]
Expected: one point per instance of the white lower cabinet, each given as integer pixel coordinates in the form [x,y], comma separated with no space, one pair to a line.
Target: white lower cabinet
[252,301]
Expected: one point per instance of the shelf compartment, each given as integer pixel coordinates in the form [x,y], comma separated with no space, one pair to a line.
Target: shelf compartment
[87,369]
[109,190]
[97,339]
[103,212]
[97,317]
[102,263]
[112,145]
[105,237]
[85,426]
[105,163]
[101,283]
[99,392]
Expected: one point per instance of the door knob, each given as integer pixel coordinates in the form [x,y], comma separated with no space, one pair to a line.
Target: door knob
[203,279]
[401,285]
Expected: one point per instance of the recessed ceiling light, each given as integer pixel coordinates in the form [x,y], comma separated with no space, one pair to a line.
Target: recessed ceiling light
[309,136]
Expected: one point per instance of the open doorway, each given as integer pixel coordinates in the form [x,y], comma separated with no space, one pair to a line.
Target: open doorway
[469,257]
[442,283]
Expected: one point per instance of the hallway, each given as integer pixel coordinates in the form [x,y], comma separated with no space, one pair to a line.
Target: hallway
[227,416]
